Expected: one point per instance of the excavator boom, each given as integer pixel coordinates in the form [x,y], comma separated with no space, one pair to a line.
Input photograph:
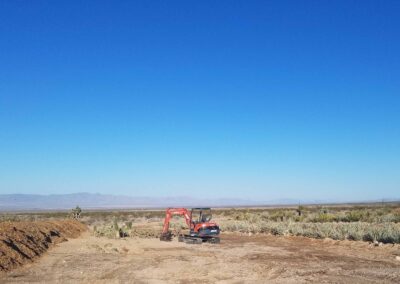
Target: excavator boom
[176,211]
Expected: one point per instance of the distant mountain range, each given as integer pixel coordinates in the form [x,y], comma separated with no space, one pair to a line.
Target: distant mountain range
[101,201]
[19,202]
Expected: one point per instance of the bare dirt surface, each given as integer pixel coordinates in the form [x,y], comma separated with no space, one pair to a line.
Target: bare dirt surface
[23,242]
[238,259]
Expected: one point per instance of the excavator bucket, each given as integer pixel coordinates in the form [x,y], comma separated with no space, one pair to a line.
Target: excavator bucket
[166,237]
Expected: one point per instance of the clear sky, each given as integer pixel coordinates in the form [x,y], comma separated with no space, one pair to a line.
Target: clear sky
[248,99]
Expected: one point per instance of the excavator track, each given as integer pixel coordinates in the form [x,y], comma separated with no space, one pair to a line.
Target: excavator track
[198,240]
[193,240]
[187,239]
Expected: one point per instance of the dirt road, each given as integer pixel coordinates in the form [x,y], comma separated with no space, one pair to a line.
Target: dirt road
[238,259]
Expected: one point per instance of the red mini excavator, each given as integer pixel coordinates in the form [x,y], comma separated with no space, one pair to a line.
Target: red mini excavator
[201,229]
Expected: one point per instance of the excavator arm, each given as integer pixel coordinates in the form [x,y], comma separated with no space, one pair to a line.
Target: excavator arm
[166,234]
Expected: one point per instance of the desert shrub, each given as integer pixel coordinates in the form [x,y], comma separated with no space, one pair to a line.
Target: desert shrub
[265,215]
[128,225]
[385,232]
[396,211]
[115,225]
[299,218]
[300,210]
[113,230]
[334,231]
[353,231]
[278,216]
[283,215]
[253,218]
[239,216]
[106,231]
[392,216]
[310,230]
[382,211]
[241,226]
[274,228]
[389,218]
[323,210]
[323,217]
[396,215]
[352,216]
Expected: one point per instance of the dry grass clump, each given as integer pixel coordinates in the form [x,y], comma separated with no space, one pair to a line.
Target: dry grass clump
[114,230]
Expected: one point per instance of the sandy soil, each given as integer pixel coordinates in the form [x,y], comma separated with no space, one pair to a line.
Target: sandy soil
[238,259]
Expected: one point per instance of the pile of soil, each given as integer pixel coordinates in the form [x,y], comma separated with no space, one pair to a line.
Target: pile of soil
[22,242]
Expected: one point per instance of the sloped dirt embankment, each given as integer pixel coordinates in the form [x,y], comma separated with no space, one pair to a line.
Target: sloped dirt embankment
[22,242]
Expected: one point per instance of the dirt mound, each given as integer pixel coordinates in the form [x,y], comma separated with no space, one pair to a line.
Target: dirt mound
[22,242]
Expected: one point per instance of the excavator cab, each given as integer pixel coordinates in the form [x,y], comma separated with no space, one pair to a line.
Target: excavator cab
[201,215]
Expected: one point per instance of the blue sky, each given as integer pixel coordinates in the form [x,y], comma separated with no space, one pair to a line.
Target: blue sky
[244,99]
